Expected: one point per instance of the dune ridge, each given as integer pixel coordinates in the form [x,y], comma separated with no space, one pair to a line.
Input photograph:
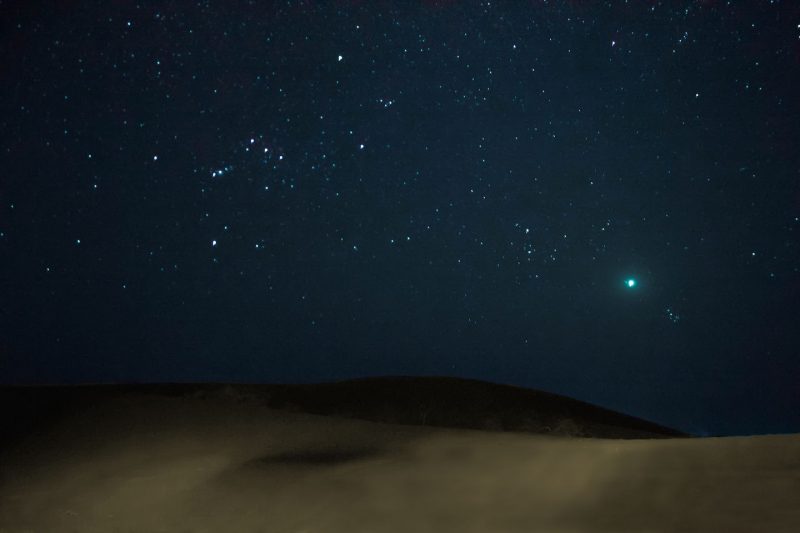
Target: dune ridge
[433,401]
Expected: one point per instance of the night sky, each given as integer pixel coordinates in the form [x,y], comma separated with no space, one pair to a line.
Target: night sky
[597,199]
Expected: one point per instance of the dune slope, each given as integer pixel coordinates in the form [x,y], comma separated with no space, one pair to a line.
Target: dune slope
[148,462]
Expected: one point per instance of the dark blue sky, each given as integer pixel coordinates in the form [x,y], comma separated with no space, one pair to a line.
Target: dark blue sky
[303,191]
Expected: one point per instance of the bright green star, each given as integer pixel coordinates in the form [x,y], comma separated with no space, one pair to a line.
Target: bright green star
[630,283]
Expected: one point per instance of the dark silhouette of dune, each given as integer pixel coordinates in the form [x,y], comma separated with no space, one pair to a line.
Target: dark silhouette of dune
[462,403]
[429,401]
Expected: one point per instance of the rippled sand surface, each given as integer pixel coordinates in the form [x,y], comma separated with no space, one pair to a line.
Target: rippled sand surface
[153,463]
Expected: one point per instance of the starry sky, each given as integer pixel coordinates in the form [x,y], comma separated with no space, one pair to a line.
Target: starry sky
[598,199]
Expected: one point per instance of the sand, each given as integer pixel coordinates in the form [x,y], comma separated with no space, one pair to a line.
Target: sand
[185,464]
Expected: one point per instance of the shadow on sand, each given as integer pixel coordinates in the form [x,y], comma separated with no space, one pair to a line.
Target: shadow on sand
[321,457]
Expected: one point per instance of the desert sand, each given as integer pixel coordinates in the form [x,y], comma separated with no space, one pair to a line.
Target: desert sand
[147,462]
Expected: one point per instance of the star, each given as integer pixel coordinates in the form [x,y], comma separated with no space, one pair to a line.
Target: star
[630,283]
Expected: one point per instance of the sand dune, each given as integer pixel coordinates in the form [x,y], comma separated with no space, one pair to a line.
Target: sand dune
[148,462]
